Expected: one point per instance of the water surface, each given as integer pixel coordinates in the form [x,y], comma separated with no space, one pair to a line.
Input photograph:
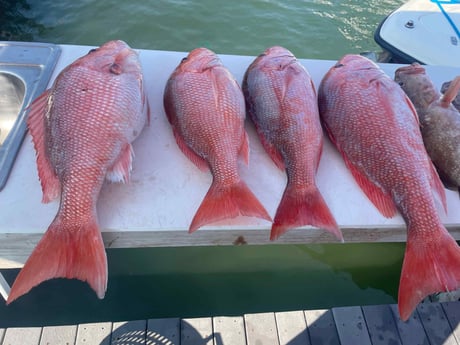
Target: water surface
[321,29]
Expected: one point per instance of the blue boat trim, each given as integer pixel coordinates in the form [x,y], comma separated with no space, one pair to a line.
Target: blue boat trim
[446,15]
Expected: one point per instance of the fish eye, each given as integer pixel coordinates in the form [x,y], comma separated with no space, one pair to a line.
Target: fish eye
[184,59]
[92,50]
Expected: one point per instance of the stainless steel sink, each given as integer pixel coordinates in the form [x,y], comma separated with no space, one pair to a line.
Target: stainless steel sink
[25,70]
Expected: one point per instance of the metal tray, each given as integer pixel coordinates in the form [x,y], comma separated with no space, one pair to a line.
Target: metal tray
[25,70]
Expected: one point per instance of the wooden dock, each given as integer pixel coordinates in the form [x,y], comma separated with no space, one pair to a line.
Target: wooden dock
[431,324]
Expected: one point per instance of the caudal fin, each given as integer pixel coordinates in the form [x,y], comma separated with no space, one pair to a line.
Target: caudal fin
[224,202]
[303,207]
[428,267]
[65,252]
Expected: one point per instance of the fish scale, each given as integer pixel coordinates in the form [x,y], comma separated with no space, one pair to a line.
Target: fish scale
[439,120]
[281,101]
[82,129]
[205,108]
[375,127]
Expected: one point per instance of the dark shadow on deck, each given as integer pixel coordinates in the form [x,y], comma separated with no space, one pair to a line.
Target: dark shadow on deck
[430,324]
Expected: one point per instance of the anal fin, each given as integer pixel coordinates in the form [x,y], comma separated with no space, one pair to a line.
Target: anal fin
[272,151]
[189,153]
[381,200]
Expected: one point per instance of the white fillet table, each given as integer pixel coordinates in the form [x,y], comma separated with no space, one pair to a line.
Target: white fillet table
[156,207]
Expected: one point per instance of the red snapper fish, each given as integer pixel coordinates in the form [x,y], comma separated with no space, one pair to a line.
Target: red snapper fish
[205,107]
[281,101]
[375,127]
[82,129]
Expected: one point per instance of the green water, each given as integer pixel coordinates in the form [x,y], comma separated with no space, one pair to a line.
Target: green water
[319,29]
[186,282]
[205,281]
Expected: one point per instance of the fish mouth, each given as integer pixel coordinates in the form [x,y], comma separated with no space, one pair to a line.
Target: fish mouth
[412,69]
[199,60]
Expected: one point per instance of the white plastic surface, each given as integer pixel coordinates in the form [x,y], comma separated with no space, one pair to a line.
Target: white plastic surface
[166,188]
[431,39]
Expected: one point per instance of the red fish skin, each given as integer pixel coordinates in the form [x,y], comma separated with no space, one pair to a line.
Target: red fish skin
[205,106]
[281,101]
[375,127]
[82,129]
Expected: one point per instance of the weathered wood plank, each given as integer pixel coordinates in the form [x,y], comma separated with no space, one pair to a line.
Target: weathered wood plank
[321,327]
[229,330]
[261,329]
[163,331]
[351,326]
[435,323]
[57,335]
[381,325]
[16,248]
[2,334]
[411,332]
[129,332]
[452,310]
[196,331]
[292,328]
[22,336]
[94,333]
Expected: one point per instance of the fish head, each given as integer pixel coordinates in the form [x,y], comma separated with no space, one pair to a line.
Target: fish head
[112,57]
[356,62]
[352,66]
[414,81]
[274,58]
[199,60]
[409,76]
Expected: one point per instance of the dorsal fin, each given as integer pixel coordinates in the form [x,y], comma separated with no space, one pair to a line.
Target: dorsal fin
[36,123]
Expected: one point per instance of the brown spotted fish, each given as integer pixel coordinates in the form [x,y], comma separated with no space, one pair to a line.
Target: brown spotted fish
[439,120]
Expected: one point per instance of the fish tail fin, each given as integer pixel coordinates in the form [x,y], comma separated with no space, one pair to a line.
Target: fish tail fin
[428,267]
[65,252]
[223,202]
[303,207]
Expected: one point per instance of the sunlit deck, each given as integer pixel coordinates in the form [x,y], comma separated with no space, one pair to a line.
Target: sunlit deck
[432,323]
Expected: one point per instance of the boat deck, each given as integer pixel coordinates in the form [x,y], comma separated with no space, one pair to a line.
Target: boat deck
[432,323]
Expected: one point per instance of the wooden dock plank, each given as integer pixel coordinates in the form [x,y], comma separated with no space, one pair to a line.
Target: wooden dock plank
[229,330]
[430,324]
[54,335]
[452,310]
[411,332]
[292,328]
[435,323]
[129,332]
[321,327]
[381,325]
[261,329]
[351,326]
[163,331]
[22,336]
[94,333]
[196,331]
